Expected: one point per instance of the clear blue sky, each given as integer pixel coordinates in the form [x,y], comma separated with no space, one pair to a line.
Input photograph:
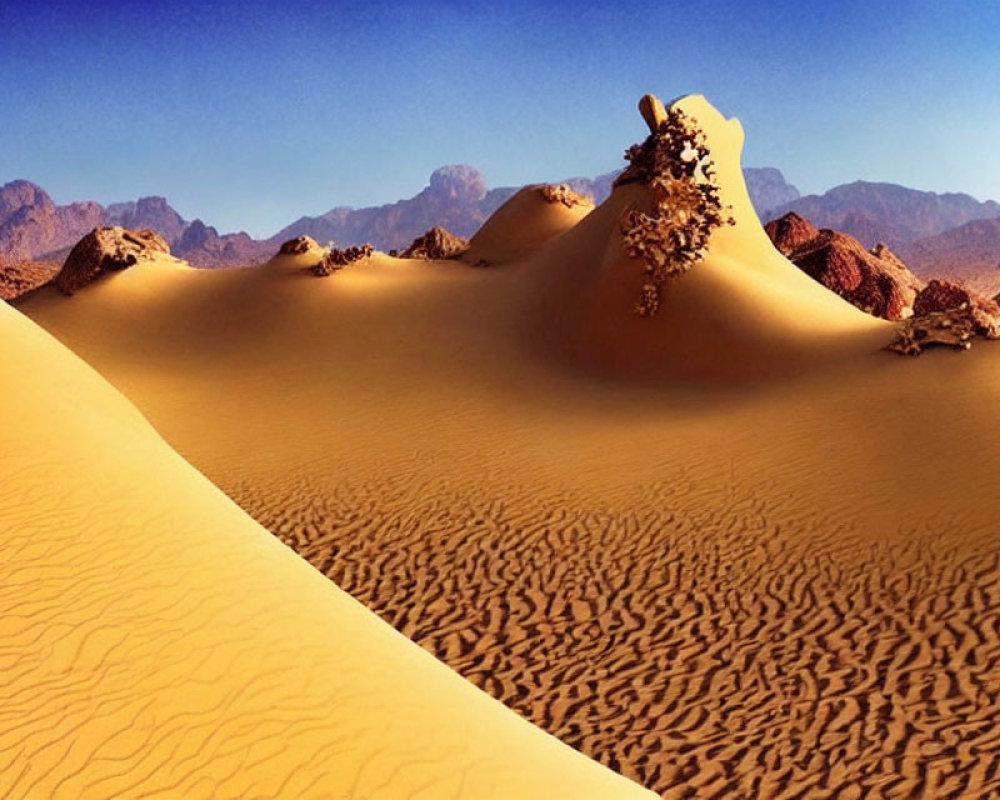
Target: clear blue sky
[251,114]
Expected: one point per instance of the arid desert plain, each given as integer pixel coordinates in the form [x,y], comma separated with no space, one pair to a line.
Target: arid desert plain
[698,530]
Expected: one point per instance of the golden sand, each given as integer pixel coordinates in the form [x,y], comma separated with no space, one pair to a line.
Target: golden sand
[733,550]
[156,642]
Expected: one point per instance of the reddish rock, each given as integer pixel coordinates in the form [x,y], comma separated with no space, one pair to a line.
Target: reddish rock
[298,246]
[20,277]
[790,232]
[105,250]
[875,281]
[940,295]
[437,244]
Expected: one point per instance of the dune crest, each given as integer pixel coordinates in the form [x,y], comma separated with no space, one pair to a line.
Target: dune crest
[158,642]
[534,216]
[740,310]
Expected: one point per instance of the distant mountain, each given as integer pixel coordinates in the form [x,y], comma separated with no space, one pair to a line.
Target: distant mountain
[153,213]
[457,198]
[32,225]
[34,228]
[202,246]
[969,253]
[885,212]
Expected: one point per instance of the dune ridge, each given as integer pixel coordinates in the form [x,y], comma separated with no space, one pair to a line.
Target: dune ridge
[156,642]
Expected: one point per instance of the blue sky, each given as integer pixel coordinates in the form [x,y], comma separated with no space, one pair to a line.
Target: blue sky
[252,114]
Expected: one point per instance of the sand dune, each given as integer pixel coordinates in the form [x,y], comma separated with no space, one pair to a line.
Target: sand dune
[732,550]
[522,225]
[156,642]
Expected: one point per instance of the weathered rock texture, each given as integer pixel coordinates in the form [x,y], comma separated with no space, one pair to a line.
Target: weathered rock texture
[565,194]
[106,250]
[945,313]
[20,277]
[674,163]
[436,244]
[338,259]
[875,281]
[790,232]
[298,246]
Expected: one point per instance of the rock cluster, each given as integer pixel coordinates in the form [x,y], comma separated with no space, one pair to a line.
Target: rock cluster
[435,245]
[335,260]
[945,313]
[875,280]
[674,163]
[563,193]
[105,250]
[298,246]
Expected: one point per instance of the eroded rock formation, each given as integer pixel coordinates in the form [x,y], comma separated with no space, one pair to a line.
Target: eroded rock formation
[298,246]
[105,250]
[436,244]
[875,281]
[675,164]
[790,232]
[565,194]
[338,259]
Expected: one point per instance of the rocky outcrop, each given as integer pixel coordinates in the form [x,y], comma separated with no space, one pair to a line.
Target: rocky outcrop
[435,245]
[954,327]
[564,194]
[335,260]
[875,281]
[940,295]
[20,277]
[790,232]
[298,246]
[106,250]
[675,165]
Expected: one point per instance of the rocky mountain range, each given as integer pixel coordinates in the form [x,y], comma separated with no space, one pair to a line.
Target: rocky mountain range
[34,228]
[457,198]
[885,212]
[969,253]
[950,235]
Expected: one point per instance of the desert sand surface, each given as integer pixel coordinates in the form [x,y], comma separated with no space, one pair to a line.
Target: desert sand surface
[156,642]
[732,550]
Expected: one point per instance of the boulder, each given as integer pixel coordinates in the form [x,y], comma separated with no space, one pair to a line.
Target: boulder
[106,250]
[298,246]
[790,232]
[437,244]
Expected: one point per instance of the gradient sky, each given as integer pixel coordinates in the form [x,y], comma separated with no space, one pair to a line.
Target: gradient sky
[252,114]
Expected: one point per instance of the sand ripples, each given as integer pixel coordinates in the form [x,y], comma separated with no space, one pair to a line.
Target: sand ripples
[708,653]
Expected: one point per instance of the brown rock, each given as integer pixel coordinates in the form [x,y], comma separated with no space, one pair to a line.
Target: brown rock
[945,313]
[20,277]
[877,282]
[437,244]
[940,295]
[298,246]
[338,259]
[652,111]
[105,250]
[565,194]
[790,232]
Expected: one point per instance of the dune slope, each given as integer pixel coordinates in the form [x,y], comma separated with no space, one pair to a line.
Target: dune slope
[156,642]
[732,550]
